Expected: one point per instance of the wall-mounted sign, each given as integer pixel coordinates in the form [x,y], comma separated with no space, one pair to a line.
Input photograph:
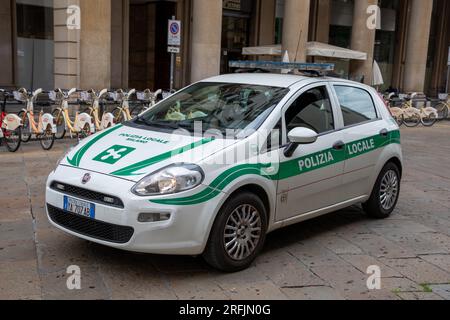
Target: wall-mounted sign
[232,4]
[174,34]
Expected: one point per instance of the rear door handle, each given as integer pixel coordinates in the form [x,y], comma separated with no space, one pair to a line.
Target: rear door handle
[384,133]
[340,145]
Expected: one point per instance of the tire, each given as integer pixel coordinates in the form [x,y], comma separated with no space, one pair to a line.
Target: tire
[60,124]
[47,140]
[429,121]
[412,122]
[118,115]
[244,241]
[12,139]
[389,177]
[25,135]
[136,111]
[442,111]
[399,120]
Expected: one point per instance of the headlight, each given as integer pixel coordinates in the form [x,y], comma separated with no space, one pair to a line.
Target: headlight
[170,180]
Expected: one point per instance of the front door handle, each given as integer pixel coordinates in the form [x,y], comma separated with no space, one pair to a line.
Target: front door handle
[384,133]
[340,145]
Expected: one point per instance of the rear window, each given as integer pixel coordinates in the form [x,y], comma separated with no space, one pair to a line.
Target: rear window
[356,104]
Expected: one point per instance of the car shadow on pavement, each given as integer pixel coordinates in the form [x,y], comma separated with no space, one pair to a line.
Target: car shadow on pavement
[333,223]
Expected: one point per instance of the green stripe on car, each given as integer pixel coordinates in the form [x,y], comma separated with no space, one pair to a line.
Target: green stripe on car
[287,169]
[76,159]
[132,170]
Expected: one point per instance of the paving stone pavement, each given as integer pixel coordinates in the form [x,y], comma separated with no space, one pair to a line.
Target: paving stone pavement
[326,258]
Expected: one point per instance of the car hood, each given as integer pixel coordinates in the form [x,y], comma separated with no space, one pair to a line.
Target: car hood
[132,153]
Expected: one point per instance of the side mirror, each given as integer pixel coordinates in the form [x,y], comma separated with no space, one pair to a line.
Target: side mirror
[297,137]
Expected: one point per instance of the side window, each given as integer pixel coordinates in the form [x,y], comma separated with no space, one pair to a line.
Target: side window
[356,104]
[311,110]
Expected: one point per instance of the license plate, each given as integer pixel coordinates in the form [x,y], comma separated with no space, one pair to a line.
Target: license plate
[79,207]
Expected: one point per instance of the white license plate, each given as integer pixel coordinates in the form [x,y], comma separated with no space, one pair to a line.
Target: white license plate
[79,207]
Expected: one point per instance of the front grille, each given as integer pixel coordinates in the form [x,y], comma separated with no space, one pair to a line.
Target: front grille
[89,227]
[87,194]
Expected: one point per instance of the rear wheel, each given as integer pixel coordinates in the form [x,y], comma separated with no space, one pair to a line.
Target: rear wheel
[12,139]
[385,194]
[25,135]
[60,124]
[47,139]
[238,234]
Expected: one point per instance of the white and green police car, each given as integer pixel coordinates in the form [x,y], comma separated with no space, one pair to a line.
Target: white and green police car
[215,167]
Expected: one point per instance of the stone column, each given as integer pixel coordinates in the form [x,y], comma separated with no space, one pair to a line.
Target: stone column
[266,32]
[206,39]
[95,44]
[323,21]
[120,15]
[7,44]
[67,45]
[295,29]
[417,45]
[363,39]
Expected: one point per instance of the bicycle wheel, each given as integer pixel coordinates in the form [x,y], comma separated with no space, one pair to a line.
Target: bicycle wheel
[412,120]
[429,120]
[60,124]
[136,111]
[399,120]
[442,110]
[47,139]
[85,132]
[118,115]
[25,135]
[12,139]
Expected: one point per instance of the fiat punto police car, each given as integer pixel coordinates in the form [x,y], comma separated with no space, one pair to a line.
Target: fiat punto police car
[215,167]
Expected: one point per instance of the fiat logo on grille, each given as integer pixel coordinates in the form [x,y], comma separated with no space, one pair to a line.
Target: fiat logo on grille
[86,178]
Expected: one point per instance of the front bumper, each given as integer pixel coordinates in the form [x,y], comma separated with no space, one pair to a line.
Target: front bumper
[185,233]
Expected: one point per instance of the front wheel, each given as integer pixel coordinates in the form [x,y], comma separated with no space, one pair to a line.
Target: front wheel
[25,135]
[238,234]
[60,124]
[385,193]
[12,139]
[118,115]
[47,139]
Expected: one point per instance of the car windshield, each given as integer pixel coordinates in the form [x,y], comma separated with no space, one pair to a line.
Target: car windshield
[215,106]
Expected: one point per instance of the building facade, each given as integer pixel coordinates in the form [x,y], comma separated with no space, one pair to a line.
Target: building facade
[123,43]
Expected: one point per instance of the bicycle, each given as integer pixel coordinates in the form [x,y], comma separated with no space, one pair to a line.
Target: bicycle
[148,100]
[11,126]
[443,109]
[82,126]
[396,112]
[412,116]
[107,119]
[122,113]
[44,129]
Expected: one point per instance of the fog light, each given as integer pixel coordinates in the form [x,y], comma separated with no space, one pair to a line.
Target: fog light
[109,200]
[60,187]
[153,217]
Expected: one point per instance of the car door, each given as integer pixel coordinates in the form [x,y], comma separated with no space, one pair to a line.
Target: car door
[364,134]
[309,180]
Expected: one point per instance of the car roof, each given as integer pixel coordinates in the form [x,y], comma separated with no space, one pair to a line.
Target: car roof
[271,79]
